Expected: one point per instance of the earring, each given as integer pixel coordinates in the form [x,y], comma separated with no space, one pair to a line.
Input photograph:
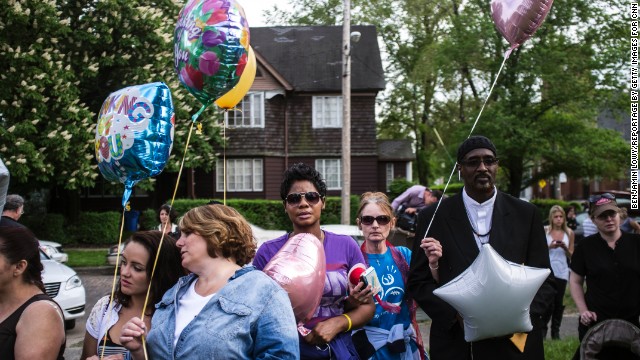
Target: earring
[458,175]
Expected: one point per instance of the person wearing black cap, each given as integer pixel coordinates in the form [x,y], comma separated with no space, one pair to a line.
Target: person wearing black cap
[609,261]
[478,215]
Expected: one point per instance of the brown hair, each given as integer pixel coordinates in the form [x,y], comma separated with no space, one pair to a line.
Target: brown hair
[168,269]
[19,243]
[227,232]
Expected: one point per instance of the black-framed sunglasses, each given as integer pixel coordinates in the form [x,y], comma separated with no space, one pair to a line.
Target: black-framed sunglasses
[595,198]
[312,198]
[368,220]
[475,162]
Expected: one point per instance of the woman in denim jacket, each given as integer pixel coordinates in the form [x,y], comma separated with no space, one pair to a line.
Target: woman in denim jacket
[225,309]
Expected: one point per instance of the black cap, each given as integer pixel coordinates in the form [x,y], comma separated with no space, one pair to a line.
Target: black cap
[475,142]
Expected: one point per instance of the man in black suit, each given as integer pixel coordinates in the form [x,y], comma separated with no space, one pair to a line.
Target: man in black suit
[480,214]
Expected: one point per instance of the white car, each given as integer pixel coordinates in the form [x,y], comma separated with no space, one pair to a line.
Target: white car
[261,235]
[349,230]
[64,286]
[54,251]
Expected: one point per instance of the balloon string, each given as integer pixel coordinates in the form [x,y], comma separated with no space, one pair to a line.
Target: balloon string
[175,191]
[113,285]
[224,157]
[444,191]
[195,116]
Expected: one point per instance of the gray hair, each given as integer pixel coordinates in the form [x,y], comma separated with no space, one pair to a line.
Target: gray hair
[13,202]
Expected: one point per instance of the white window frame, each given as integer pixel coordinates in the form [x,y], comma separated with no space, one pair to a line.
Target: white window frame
[250,113]
[331,170]
[323,114]
[390,175]
[243,175]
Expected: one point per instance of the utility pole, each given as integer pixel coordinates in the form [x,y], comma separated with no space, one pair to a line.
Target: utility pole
[346,113]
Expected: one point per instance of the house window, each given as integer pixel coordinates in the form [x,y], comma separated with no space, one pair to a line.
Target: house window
[242,175]
[331,170]
[250,112]
[389,175]
[327,112]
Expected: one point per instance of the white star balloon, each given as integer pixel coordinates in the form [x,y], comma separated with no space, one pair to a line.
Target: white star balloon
[493,295]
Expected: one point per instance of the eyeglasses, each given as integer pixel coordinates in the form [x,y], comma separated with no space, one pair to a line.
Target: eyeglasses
[606,215]
[368,220]
[596,198]
[312,198]
[475,162]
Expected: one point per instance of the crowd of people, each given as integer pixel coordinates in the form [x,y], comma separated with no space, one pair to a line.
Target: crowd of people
[206,296]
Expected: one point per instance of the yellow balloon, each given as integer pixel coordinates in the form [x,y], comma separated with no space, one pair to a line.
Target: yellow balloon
[234,96]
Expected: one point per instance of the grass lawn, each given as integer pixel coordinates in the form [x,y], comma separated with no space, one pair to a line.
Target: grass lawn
[560,349]
[86,257]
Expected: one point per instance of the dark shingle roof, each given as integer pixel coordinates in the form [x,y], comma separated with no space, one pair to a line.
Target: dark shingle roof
[310,57]
[395,150]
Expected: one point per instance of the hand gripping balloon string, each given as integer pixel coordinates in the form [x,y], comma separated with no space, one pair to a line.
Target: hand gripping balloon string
[444,191]
[155,262]
[113,285]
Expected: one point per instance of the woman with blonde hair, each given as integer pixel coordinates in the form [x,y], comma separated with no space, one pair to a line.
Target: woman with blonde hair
[393,333]
[224,309]
[560,239]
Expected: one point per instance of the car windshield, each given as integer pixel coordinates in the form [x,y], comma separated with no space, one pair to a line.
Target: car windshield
[44,256]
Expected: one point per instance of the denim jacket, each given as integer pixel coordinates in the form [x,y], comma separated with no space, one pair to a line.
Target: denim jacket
[249,318]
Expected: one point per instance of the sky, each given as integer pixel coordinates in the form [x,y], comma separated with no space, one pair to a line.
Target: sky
[253,10]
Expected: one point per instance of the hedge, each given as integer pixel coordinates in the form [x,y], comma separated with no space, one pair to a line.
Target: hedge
[102,229]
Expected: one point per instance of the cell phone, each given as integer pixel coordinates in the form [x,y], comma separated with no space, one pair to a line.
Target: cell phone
[363,280]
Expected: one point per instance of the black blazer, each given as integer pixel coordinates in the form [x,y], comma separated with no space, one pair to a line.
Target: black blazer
[517,235]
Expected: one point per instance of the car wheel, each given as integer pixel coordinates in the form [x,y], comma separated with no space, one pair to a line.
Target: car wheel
[69,324]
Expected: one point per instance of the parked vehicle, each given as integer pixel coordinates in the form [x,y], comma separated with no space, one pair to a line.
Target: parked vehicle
[54,251]
[349,230]
[261,235]
[64,286]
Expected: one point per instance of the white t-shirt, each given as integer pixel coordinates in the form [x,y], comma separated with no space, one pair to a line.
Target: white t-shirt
[189,306]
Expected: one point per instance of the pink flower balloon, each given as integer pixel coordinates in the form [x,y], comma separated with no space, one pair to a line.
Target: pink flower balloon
[299,267]
[517,20]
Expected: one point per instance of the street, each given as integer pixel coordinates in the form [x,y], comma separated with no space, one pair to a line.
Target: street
[98,282]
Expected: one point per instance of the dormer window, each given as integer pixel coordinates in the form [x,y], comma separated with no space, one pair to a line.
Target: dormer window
[327,112]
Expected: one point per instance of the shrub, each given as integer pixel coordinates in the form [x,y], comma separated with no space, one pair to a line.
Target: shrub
[397,187]
[95,228]
[544,205]
[47,227]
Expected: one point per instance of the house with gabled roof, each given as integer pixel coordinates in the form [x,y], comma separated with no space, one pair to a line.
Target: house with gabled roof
[293,113]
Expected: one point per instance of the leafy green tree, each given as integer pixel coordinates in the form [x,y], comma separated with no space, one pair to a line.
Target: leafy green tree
[443,57]
[59,60]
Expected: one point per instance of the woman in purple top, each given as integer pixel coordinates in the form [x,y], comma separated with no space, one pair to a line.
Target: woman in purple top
[341,309]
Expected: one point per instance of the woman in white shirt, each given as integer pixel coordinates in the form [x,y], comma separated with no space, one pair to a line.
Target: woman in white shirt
[167,217]
[560,239]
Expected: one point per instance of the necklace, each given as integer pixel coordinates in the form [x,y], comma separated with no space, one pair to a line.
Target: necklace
[473,227]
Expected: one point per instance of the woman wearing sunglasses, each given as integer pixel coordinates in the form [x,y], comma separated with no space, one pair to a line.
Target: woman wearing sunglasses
[395,309]
[341,308]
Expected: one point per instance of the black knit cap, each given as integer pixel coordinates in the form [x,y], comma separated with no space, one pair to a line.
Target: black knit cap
[475,142]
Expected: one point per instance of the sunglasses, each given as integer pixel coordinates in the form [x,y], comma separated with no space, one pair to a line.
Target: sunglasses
[596,198]
[368,220]
[475,162]
[312,198]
